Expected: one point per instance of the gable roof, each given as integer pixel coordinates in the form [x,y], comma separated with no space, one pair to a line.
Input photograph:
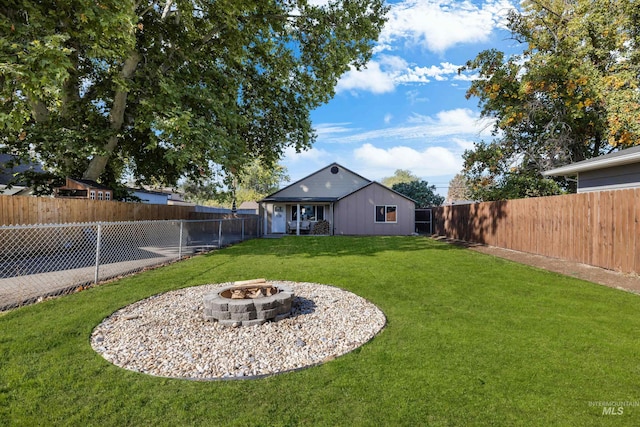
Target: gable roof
[618,158]
[89,184]
[325,185]
[379,185]
[248,205]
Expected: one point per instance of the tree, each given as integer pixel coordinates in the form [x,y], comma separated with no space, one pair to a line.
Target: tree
[253,183]
[262,181]
[165,89]
[400,175]
[458,188]
[491,176]
[420,191]
[573,93]
[257,182]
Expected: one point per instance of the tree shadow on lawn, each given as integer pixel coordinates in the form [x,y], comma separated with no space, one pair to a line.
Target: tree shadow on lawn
[331,246]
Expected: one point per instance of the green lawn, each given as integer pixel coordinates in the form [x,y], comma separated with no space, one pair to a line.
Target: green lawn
[470,340]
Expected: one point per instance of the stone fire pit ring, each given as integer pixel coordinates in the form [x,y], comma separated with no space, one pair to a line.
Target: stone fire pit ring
[166,335]
[256,308]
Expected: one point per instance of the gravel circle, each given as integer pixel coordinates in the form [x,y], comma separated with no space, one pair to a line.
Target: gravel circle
[165,335]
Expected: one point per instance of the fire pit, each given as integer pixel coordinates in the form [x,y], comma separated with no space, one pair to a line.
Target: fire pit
[247,303]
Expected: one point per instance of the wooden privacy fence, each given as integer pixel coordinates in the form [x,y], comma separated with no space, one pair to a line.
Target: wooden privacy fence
[17,210]
[599,228]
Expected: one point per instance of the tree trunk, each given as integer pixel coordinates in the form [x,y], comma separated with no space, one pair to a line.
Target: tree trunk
[116,118]
[39,110]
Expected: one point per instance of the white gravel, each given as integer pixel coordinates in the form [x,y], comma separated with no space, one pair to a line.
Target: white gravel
[166,336]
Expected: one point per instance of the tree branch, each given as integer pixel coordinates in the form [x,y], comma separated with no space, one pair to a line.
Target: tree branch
[116,119]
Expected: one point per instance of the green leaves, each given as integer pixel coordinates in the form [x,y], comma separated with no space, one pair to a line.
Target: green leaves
[173,89]
[573,93]
[420,191]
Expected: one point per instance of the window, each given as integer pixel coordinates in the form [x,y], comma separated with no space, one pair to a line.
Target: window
[308,212]
[99,195]
[386,213]
[92,194]
[107,195]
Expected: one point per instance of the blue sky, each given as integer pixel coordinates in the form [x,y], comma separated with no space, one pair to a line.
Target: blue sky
[407,109]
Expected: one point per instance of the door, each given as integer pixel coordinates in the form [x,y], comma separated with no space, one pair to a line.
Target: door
[279,220]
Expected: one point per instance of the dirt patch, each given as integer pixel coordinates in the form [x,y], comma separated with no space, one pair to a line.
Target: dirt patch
[613,279]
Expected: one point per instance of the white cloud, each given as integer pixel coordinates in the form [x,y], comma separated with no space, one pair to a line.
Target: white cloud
[379,76]
[373,79]
[464,144]
[413,96]
[313,155]
[438,25]
[327,130]
[450,123]
[422,74]
[466,77]
[384,74]
[432,161]
[387,118]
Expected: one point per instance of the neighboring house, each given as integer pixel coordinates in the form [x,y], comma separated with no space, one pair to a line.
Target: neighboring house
[249,207]
[7,176]
[349,203]
[612,171]
[158,197]
[459,202]
[83,189]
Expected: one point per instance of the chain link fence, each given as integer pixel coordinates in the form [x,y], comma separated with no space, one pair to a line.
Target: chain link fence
[38,261]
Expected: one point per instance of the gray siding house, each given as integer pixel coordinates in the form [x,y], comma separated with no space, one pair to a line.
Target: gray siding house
[612,171]
[346,202]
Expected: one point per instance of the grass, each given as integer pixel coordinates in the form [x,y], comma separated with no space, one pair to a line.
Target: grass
[470,340]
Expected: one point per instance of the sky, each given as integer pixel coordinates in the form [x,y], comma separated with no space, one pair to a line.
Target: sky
[407,109]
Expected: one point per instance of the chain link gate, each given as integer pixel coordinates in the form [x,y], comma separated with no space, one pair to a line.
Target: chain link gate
[38,261]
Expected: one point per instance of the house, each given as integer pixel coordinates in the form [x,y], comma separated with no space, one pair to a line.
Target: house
[613,171]
[249,207]
[342,202]
[8,175]
[83,189]
[159,197]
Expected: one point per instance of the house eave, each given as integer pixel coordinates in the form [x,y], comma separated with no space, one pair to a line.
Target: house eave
[381,185]
[299,199]
[607,161]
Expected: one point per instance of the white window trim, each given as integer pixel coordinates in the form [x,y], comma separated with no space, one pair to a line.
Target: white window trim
[92,194]
[375,214]
[100,195]
[107,195]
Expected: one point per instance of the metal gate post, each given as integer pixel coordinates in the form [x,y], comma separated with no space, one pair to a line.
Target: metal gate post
[180,243]
[98,244]
[219,234]
[242,236]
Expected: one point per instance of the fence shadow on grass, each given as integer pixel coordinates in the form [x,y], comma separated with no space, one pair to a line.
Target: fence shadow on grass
[473,223]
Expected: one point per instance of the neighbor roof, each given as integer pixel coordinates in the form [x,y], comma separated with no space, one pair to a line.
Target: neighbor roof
[7,174]
[90,183]
[618,158]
